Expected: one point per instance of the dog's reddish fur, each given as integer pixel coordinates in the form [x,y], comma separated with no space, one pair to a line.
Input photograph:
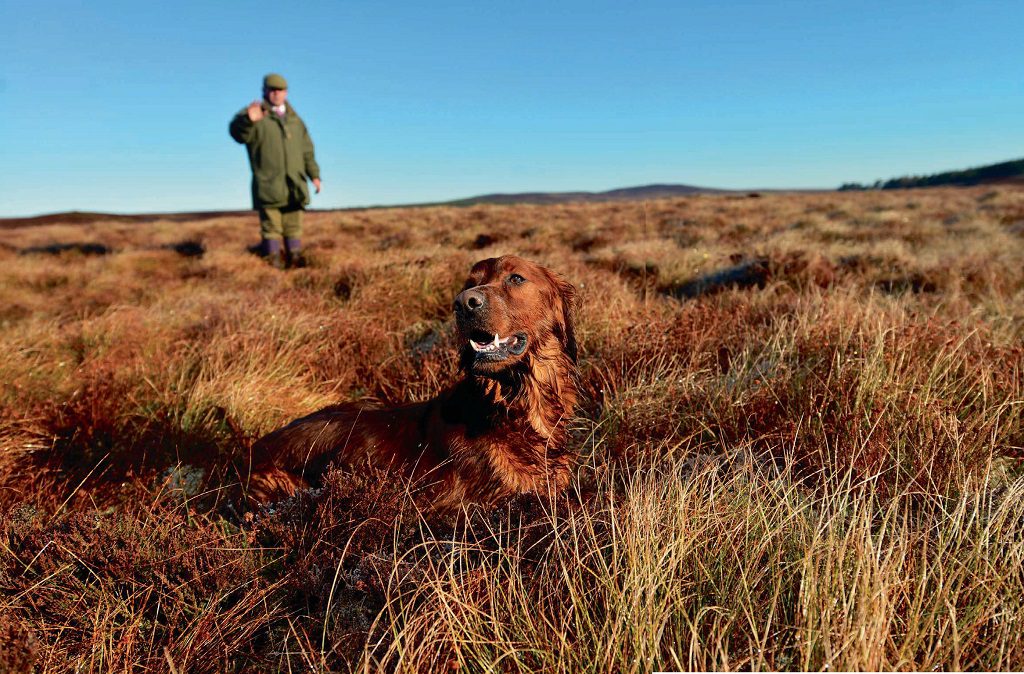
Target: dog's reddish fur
[501,430]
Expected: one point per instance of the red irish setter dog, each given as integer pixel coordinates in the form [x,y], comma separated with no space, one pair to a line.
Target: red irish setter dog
[501,430]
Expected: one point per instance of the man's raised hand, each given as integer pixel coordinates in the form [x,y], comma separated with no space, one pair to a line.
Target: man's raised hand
[255,111]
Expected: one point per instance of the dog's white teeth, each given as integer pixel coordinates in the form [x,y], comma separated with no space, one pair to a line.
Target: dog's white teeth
[477,346]
[489,346]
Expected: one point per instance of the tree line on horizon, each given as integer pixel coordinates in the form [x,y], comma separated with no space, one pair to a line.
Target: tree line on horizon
[973,176]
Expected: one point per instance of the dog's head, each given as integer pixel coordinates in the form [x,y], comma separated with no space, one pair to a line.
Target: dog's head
[511,309]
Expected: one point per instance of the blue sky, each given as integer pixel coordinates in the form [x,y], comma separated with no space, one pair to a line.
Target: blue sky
[124,106]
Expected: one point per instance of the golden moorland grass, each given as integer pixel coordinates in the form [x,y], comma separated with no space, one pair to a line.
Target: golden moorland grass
[818,467]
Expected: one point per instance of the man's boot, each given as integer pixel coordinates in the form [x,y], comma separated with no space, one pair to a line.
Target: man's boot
[293,253]
[272,253]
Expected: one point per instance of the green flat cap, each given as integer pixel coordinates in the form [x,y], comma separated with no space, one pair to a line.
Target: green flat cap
[274,81]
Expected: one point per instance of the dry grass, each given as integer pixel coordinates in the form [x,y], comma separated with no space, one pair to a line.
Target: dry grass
[819,470]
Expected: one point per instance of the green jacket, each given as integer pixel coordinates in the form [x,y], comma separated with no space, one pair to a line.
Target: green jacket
[281,157]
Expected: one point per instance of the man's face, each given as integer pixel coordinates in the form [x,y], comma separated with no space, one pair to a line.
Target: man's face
[275,96]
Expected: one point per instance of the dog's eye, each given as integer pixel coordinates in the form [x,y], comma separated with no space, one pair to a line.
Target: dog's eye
[516,280]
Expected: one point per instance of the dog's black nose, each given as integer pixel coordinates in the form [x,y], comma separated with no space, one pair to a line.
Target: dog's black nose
[470,300]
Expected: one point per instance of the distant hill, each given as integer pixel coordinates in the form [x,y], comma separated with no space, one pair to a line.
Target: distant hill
[1011,172]
[625,193]
[1005,172]
[86,217]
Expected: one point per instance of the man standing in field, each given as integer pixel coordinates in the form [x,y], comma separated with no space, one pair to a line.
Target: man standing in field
[281,157]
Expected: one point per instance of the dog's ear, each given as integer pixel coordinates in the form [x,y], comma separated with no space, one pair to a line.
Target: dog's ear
[569,295]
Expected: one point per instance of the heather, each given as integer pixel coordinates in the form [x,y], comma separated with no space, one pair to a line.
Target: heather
[800,442]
